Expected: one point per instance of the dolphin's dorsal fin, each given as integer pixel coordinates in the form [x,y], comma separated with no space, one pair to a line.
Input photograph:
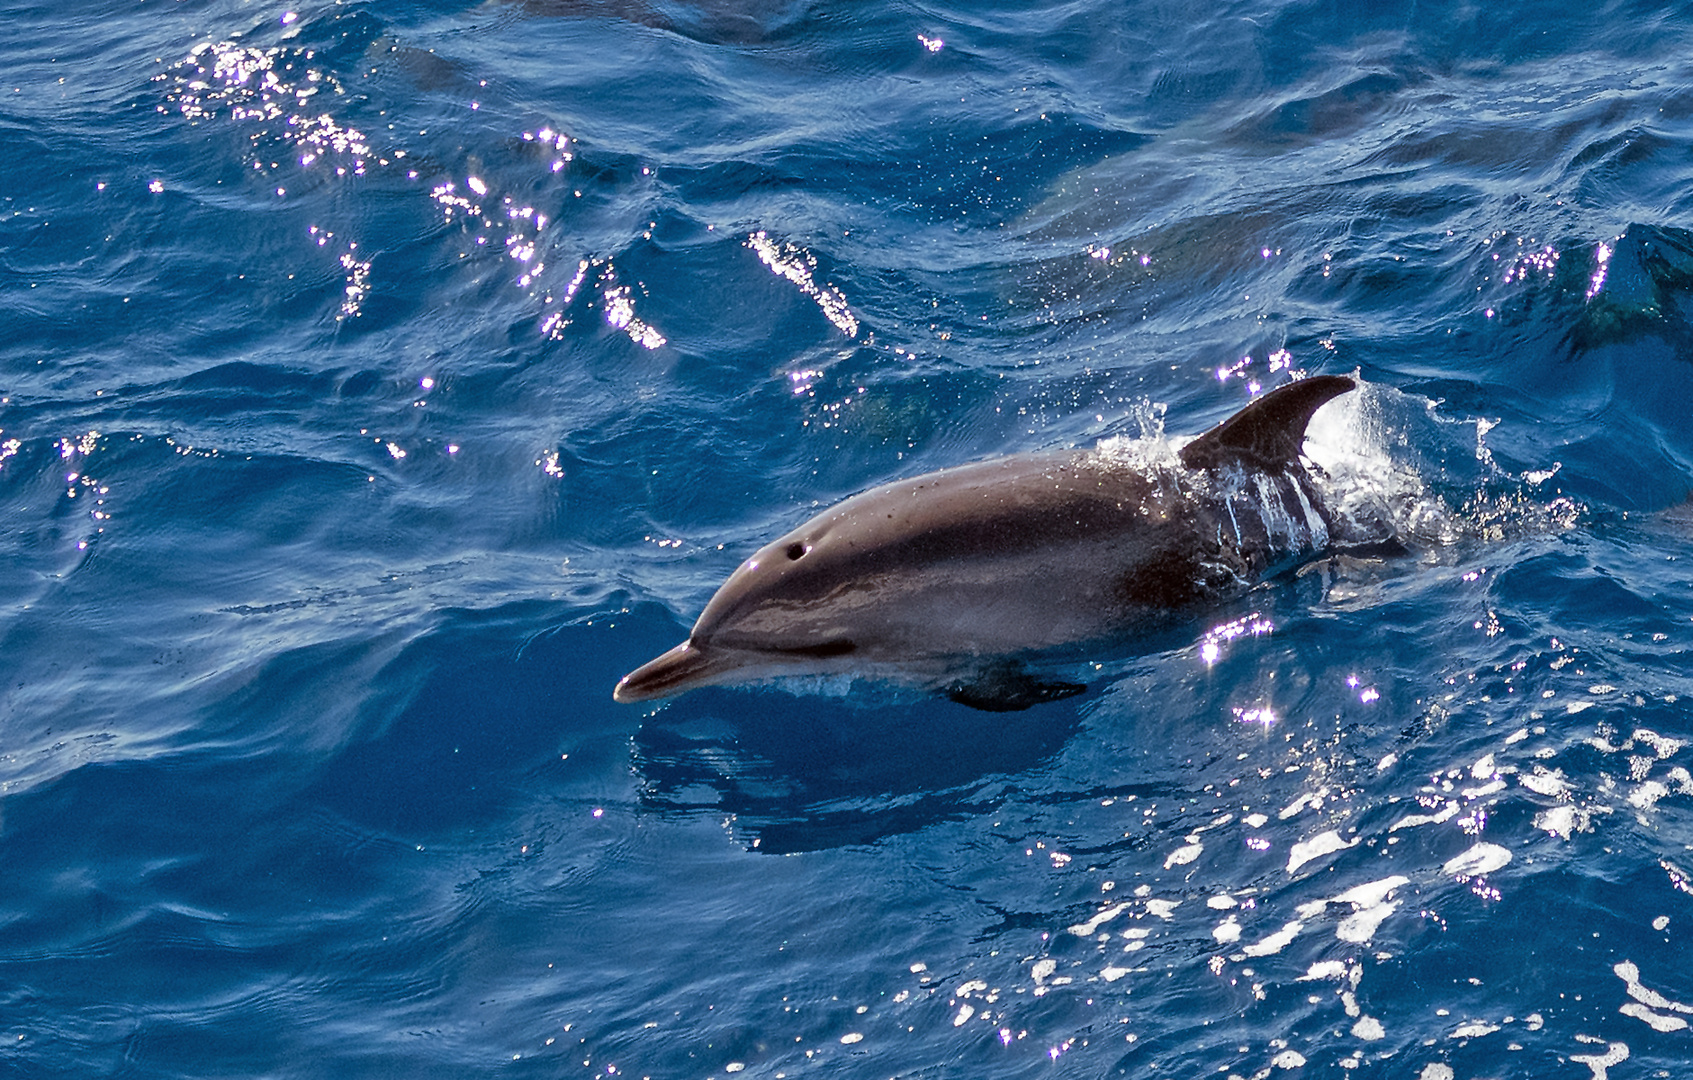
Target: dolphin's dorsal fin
[1266,435]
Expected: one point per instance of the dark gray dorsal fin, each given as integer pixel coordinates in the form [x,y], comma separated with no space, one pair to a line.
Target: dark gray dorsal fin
[1266,435]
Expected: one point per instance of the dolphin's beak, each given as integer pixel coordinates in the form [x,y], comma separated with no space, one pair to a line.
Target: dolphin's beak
[682,668]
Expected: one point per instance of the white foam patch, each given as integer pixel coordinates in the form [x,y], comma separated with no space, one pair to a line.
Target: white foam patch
[1474,1029]
[1662,746]
[1369,1029]
[1615,1053]
[1324,969]
[1550,783]
[1445,813]
[1276,942]
[1087,929]
[1183,855]
[1371,892]
[1370,906]
[1606,746]
[1561,821]
[1483,858]
[1162,908]
[1646,796]
[1657,1021]
[1647,1000]
[1362,925]
[1315,848]
[1152,450]
[1309,799]
[1484,790]
[1227,932]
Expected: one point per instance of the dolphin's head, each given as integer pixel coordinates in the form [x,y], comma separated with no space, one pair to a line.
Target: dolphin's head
[785,611]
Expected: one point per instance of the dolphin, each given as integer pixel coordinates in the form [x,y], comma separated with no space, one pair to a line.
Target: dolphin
[953,578]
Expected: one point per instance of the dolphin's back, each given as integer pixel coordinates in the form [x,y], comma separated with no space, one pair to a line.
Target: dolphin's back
[977,558]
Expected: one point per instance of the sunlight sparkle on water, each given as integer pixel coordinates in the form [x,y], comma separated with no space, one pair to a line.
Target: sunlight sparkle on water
[795,264]
[1211,644]
[263,85]
[1261,715]
[620,313]
[1543,261]
[1601,256]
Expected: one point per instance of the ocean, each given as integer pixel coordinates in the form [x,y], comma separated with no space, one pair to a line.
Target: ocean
[381,382]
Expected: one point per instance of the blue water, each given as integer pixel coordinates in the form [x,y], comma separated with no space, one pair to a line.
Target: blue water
[379,383]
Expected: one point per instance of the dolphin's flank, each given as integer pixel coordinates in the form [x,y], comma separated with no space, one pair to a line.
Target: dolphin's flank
[948,579]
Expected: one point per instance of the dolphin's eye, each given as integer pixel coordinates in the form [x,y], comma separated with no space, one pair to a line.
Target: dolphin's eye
[795,550]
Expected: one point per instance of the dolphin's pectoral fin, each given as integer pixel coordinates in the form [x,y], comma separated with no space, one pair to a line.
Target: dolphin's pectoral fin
[1009,688]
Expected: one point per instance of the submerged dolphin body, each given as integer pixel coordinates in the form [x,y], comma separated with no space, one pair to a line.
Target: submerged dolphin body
[948,579]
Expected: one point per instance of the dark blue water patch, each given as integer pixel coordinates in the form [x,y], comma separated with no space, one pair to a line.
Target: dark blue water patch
[481,722]
[239,884]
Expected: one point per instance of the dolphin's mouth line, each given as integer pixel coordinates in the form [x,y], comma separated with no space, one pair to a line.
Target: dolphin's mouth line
[694,663]
[665,674]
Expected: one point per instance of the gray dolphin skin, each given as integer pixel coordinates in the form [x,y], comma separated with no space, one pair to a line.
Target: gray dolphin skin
[951,579]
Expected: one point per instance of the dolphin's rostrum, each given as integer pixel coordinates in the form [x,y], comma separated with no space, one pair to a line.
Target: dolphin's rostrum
[951,578]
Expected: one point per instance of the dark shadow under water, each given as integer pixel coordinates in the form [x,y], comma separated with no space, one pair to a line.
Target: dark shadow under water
[800,774]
